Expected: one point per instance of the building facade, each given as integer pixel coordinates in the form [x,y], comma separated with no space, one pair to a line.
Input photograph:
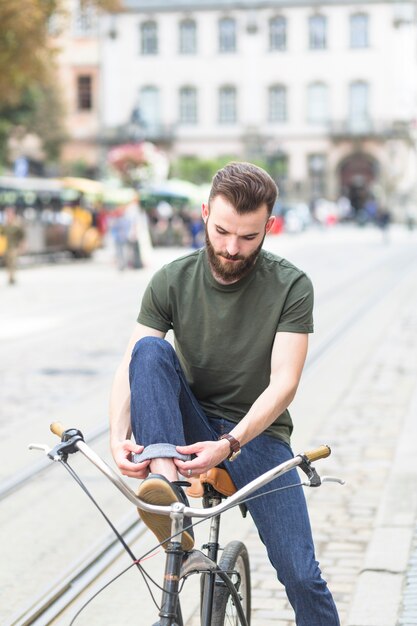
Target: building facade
[324,92]
[75,37]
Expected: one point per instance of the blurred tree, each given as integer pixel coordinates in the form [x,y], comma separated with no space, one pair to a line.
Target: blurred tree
[39,109]
[196,170]
[48,115]
[201,171]
[23,46]
[29,94]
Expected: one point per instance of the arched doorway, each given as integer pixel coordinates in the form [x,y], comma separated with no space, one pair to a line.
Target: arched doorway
[357,175]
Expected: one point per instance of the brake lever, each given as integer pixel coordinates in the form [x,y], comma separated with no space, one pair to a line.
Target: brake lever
[314,479]
[322,479]
[333,479]
[55,454]
[60,452]
[39,446]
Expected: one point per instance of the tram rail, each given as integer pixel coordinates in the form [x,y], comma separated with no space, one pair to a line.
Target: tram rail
[46,607]
[21,479]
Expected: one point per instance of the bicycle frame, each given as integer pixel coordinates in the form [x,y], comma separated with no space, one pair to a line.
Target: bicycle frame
[180,564]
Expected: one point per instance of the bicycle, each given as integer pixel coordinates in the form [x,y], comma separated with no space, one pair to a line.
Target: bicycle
[225,587]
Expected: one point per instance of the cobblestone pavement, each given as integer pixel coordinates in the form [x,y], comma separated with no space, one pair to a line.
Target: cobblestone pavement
[363,434]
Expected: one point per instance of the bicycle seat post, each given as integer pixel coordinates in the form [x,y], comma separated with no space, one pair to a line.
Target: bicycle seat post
[210,499]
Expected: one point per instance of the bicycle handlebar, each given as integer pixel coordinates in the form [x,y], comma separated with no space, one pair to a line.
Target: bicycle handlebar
[322,452]
[240,495]
[57,428]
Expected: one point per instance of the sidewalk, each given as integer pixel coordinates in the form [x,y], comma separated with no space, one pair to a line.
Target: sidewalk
[390,562]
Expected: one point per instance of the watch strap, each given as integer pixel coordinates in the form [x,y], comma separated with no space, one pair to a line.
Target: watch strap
[234,444]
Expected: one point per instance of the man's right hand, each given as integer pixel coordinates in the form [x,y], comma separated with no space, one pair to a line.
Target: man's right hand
[122,454]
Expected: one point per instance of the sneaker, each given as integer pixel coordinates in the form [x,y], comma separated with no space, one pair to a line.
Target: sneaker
[156,489]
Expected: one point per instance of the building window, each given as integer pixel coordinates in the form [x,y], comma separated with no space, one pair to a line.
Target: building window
[149,37]
[227,105]
[277,99]
[227,35]
[188,105]
[84,21]
[149,107]
[359,27]
[278,168]
[317,27]
[317,175]
[317,103]
[358,106]
[278,33]
[84,93]
[188,37]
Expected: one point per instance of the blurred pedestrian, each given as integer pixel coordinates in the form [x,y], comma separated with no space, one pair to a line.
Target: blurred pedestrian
[132,213]
[119,227]
[344,207]
[383,220]
[371,210]
[13,231]
[410,218]
[196,227]
[164,210]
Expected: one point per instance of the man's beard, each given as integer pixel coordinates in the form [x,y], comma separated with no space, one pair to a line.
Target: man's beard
[231,272]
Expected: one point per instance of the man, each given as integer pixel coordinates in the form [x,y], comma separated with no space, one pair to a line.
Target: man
[13,231]
[241,318]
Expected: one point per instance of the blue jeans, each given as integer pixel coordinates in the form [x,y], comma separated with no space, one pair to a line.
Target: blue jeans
[164,410]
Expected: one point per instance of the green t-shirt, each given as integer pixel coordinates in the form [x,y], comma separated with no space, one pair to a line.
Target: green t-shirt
[224,333]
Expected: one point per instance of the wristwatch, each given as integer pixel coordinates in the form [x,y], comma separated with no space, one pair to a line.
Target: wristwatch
[234,446]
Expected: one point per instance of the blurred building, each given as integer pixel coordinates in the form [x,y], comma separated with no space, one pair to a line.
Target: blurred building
[325,91]
[75,34]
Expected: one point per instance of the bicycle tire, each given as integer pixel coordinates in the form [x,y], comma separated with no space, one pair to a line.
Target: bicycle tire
[235,558]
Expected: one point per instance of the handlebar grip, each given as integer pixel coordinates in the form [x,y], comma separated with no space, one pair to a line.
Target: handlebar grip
[57,428]
[318,453]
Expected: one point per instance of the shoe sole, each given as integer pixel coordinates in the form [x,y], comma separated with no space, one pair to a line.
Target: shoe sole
[160,493]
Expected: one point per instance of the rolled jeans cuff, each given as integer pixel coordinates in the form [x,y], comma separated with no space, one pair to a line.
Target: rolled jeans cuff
[160,451]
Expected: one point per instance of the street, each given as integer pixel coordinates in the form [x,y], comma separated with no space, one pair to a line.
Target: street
[63,330]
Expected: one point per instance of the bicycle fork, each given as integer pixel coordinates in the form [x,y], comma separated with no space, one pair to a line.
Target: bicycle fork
[180,564]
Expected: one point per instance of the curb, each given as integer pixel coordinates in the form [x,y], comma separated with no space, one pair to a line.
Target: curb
[378,595]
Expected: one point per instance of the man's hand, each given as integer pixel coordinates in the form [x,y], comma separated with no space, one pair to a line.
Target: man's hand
[122,451]
[208,455]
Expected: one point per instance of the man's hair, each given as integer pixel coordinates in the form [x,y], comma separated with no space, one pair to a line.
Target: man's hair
[245,186]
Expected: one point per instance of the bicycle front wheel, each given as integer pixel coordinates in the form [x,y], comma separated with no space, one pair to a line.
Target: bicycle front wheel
[234,561]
